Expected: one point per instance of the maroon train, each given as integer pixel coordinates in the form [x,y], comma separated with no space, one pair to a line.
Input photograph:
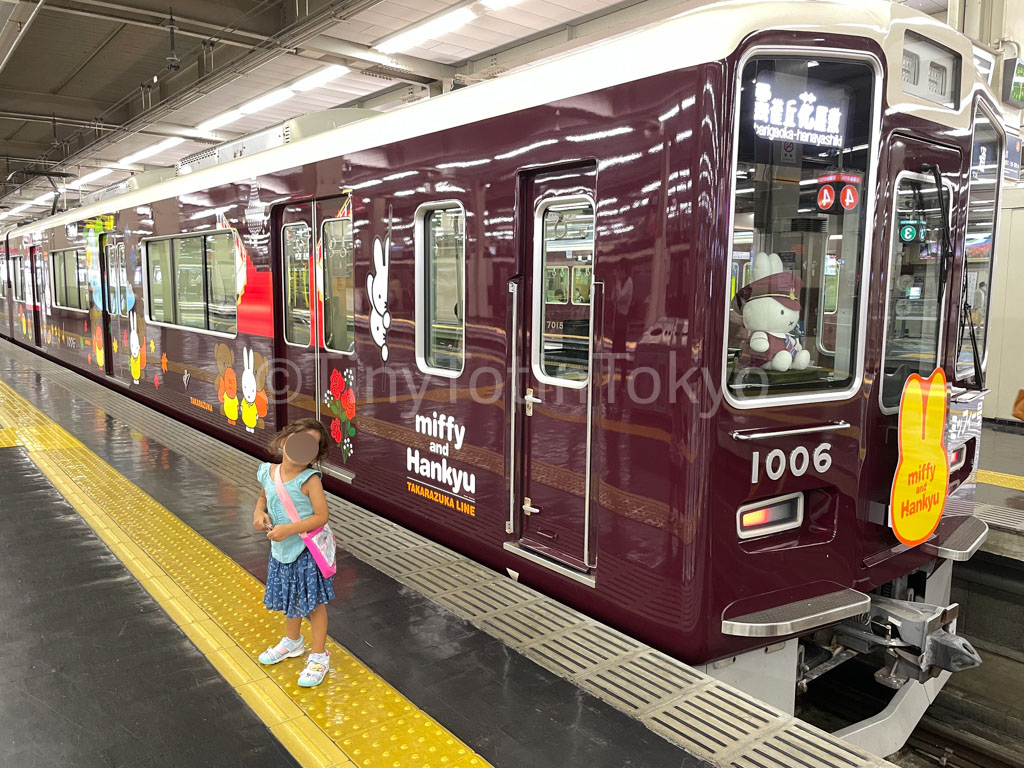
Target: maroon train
[624,229]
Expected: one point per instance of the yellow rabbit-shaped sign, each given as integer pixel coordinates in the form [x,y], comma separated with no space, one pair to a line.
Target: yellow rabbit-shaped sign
[919,489]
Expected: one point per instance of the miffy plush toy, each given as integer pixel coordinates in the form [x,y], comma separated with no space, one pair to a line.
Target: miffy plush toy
[377,290]
[771,310]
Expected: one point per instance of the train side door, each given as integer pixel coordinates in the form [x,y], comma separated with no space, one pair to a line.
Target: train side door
[37,278]
[109,304]
[298,384]
[117,289]
[555,410]
[334,297]
[917,289]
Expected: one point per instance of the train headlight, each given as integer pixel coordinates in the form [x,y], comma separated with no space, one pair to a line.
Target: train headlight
[781,513]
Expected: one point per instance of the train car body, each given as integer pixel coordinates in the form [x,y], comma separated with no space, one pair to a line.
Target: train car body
[526,313]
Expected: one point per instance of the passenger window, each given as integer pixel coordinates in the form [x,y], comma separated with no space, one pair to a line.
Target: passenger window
[295,250]
[188,272]
[339,288]
[70,279]
[220,277]
[913,315]
[799,226]
[983,199]
[563,319]
[60,289]
[3,278]
[161,284]
[443,290]
[192,281]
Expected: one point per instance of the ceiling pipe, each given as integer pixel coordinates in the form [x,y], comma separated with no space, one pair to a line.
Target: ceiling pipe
[21,31]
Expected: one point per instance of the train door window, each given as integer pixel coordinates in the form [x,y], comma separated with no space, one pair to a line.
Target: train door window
[117,279]
[83,280]
[190,301]
[161,281]
[18,278]
[295,249]
[3,277]
[913,314]
[983,202]
[339,286]
[220,278]
[803,167]
[565,247]
[441,288]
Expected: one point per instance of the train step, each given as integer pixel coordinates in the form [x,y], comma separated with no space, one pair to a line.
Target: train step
[798,616]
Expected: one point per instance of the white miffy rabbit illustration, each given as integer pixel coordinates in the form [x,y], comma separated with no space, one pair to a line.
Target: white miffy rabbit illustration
[249,389]
[377,290]
[771,310]
[135,345]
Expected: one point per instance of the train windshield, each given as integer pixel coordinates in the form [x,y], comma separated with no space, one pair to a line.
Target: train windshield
[799,225]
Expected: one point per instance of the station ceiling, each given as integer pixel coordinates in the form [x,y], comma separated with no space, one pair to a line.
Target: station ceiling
[94,88]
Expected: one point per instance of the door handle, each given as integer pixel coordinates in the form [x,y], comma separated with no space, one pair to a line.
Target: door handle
[528,507]
[530,400]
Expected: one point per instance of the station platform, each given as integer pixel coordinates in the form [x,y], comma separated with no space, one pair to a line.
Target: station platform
[138,646]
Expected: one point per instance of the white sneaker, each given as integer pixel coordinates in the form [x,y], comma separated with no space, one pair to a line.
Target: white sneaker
[286,649]
[317,667]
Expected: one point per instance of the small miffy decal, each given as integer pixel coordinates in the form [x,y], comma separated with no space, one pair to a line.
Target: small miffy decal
[377,291]
[254,397]
[137,345]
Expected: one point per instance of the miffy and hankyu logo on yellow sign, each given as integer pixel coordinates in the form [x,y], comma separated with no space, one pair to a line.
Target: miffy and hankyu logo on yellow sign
[919,489]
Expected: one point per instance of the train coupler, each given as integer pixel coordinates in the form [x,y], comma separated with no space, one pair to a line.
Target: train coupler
[919,640]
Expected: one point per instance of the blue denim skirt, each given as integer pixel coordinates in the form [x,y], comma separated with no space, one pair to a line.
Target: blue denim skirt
[297,587]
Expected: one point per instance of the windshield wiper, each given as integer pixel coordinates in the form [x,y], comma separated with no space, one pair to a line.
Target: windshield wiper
[947,240]
[967,318]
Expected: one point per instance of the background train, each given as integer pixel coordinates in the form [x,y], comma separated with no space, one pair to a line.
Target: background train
[525,312]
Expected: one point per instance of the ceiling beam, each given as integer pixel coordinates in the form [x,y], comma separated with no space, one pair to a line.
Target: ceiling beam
[407,68]
[15,27]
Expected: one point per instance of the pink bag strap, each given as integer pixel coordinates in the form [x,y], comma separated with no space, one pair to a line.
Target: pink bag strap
[283,496]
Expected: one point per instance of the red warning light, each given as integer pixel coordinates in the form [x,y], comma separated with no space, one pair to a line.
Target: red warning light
[756,517]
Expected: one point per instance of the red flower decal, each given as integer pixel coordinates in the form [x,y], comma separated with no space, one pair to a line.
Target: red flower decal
[348,402]
[156,382]
[337,384]
[336,430]
[124,338]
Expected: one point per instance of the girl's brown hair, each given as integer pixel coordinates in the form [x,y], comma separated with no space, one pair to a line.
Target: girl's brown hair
[302,425]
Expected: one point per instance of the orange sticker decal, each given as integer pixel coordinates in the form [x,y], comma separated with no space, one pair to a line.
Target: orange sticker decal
[922,477]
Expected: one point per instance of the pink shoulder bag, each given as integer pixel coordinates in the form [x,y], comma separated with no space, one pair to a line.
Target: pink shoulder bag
[320,541]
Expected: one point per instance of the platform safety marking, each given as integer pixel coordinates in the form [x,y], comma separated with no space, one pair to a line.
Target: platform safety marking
[1003,480]
[353,719]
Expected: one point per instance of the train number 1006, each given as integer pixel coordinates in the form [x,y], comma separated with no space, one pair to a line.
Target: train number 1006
[798,462]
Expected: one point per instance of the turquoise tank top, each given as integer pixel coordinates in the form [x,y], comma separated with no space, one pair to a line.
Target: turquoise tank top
[286,551]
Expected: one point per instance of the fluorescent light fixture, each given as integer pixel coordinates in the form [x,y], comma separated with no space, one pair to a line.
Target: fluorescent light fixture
[266,101]
[430,30]
[156,149]
[220,121]
[321,77]
[44,198]
[89,178]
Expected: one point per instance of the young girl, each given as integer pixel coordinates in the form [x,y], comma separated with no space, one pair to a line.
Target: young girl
[294,582]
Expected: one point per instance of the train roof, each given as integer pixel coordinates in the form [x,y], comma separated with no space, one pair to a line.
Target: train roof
[701,32]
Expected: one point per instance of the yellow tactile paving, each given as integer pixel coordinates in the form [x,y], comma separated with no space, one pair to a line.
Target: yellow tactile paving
[354,719]
[1013,482]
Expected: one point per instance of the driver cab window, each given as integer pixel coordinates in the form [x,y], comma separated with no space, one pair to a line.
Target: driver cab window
[799,225]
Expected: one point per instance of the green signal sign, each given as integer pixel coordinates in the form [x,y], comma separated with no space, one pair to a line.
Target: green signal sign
[912,231]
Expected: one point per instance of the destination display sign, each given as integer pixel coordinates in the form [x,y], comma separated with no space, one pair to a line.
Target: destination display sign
[788,108]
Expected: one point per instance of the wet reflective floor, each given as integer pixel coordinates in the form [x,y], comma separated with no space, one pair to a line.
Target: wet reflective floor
[92,671]
[507,709]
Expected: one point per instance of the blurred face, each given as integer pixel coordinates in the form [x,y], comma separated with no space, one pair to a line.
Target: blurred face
[302,447]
